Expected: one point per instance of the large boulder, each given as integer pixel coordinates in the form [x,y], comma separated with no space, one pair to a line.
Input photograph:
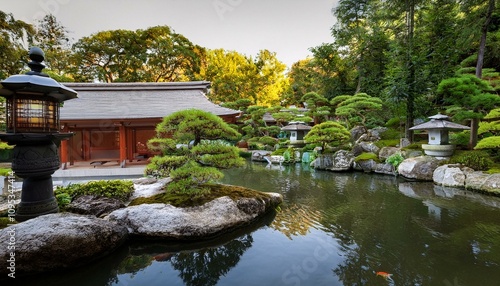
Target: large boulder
[147,187]
[377,131]
[322,162]
[163,221]
[94,205]
[386,152]
[259,155]
[357,132]
[483,182]
[385,168]
[57,241]
[449,176]
[418,168]
[369,147]
[367,166]
[455,175]
[342,161]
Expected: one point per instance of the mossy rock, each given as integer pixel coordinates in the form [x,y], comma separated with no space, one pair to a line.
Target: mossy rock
[216,191]
[366,157]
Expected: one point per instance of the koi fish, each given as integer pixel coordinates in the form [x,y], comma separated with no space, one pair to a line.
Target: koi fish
[385,275]
[163,256]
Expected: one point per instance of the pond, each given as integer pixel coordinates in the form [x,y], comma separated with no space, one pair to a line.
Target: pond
[333,229]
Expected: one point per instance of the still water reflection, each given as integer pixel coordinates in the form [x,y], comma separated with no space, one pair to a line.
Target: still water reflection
[333,229]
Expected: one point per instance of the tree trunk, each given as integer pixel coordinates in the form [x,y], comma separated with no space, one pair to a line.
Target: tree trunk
[474,127]
[482,43]
[479,69]
[410,102]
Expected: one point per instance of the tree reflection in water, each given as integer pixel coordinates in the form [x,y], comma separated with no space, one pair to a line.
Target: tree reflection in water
[202,266]
[206,266]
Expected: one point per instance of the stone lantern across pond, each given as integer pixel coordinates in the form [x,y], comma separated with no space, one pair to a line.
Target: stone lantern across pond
[438,130]
[297,130]
[32,124]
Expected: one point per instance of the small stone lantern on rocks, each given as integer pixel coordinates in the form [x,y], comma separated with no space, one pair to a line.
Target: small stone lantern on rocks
[438,128]
[32,120]
[298,130]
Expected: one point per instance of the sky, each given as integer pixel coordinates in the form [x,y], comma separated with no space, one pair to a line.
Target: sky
[287,27]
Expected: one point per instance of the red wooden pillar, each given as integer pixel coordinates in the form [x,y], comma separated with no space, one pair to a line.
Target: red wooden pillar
[86,144]
[123,145]
[63,151]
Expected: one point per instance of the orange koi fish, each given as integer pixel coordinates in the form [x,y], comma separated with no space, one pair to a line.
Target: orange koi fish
[163,256]
[385,275]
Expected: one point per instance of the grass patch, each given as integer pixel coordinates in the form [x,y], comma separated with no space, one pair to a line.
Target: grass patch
[216,191]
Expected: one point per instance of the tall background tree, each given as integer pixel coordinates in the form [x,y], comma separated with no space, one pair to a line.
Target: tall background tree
[14,36]
[53,38]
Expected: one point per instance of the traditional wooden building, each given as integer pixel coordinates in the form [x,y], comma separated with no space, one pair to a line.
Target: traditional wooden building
[113,121]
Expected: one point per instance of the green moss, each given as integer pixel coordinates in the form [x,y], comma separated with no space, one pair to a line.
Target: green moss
[367,156]
[394,122]
[389,134]
[387,143]
[118,189]
[489,143]
[216,191]
[415,146]
[279,152]
[5,171]
[494,170]
[4,145]
[5,221]
[244,154]
[477,160]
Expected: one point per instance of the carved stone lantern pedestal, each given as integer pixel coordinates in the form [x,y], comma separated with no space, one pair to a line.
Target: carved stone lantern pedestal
[32,116]
[35,159]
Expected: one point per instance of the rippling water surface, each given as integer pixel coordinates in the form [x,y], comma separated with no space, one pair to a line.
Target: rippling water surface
[333,229]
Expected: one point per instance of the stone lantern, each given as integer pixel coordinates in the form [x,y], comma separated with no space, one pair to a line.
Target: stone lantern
[32,122]
[438,128]
[298,130]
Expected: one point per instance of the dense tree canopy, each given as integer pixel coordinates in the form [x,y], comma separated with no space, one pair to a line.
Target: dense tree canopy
[234,76]
[398,51]
[356,106]
[156,54]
